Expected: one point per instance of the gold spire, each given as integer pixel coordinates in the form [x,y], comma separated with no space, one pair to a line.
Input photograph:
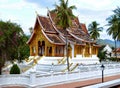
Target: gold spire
[47,8]
[36,13]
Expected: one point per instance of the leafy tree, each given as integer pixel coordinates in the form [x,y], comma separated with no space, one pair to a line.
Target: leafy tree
[117,13]
[23,48]
[15,69]
[10,34]
[94,30]
[102,54]
[64,19]
[112,30]
[12,42]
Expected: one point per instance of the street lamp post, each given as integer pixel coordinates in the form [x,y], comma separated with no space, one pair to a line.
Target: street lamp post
[102,68]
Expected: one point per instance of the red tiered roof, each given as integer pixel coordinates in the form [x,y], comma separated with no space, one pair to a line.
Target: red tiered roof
[77,33]
[84,27]
[117,50]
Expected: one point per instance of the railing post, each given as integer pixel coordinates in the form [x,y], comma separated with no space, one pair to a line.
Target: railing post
[79,70]
[67,75]
[52,72]
[51,75]
[32,77]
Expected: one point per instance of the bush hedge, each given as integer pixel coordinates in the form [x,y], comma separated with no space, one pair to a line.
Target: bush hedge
[15,69]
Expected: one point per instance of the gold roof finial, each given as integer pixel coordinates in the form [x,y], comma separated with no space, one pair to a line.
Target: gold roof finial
[47,8]
[36,13]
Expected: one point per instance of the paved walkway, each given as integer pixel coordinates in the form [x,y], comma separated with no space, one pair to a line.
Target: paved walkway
[84,83]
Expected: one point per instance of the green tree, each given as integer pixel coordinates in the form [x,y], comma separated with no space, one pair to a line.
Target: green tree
[12,42]
[117,13]
[64,19]
[23,48]
[94,30]
[15,69]
[114,26]
[102,54]
[10,34]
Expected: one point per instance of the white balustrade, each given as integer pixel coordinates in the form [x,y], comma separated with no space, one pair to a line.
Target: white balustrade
[37,79]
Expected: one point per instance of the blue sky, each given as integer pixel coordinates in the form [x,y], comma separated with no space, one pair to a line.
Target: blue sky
[23,11]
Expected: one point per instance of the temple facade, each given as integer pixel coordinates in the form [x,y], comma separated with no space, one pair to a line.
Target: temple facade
[48,39]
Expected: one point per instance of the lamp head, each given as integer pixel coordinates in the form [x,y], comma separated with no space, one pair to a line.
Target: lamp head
[102,67]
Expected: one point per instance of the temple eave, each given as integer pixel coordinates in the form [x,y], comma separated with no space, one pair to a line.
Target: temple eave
[30,38]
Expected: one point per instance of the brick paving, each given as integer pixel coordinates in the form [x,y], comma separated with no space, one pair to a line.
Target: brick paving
[14,86]
[85,83]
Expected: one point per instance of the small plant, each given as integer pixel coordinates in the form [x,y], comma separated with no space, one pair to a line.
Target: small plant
[15,69]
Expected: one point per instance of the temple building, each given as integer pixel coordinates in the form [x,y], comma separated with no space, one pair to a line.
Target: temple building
[49,40]
[116,53]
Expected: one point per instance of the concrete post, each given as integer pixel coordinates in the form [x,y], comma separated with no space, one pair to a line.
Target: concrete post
[79,70]
[32,77]
[52,72]
[51,76]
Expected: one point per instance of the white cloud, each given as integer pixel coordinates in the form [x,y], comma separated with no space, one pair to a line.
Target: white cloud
[93,4]
[20,12]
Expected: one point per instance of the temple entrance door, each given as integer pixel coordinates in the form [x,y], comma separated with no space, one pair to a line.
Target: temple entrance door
[50,51]
[39,48]
[43,48]
[87,52]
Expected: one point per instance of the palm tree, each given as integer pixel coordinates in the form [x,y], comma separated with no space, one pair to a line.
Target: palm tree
[94,30]
[113,28]
[64,19]
[117,13]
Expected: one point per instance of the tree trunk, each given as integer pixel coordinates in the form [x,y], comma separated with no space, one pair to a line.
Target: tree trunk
[67,53]
[0,68]
[115,50]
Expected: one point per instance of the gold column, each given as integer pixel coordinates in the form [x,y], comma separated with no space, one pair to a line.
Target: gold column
[36,47]
[45,51]
[90,51]
[83,54]
[30,50]
[53,50]
[96,50]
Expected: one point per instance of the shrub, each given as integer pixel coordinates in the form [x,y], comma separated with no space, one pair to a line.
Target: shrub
[15,69]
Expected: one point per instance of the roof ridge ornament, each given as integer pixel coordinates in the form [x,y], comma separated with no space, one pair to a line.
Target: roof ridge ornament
[47,8]
[36,13]
[48,11]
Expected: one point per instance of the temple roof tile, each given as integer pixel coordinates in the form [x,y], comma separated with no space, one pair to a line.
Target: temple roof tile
[77,33]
